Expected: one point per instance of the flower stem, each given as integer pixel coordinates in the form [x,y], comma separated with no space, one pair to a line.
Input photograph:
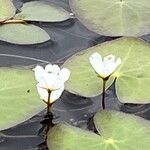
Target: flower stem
[48,103]
[103,94]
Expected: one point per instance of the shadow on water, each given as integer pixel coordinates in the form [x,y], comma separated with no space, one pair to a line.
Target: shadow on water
[67,38]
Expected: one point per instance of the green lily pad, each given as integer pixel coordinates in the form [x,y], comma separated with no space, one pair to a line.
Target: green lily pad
[22,34]
[42,11]
[118,131]
[114,17]
[19,99]
[133,75]
[7,10]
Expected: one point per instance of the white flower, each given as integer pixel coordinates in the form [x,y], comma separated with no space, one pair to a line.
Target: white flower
[106,66]
[51,79]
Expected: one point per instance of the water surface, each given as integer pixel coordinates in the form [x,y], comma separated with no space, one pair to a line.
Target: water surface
[68,37]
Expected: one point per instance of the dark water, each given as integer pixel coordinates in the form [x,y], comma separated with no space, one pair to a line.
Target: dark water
[68,38]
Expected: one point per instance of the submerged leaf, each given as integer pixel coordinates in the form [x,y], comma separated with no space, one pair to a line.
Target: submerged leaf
[19,99]
[118,131]
[22,34]
[42,11]
[114,17]
[133,75]
[7,10]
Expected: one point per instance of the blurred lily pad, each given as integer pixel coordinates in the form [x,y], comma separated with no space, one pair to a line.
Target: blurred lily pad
[117,131]
[114,17]
[19,100]
[42,11]
[7,10]
[18,33]
[132,77]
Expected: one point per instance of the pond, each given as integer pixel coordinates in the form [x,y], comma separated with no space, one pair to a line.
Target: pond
[67,38]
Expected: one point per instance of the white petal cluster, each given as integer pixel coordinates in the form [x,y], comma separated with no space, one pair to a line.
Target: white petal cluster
[52,79]
[104,67]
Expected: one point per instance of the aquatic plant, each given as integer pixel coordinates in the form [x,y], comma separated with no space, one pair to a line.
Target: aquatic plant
[15,28]
[115,131]
[50,82]
[131,78]
[19,99]
[115,17]
[104,68]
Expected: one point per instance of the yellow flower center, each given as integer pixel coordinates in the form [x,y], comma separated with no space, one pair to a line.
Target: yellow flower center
[117,74]
[110,141]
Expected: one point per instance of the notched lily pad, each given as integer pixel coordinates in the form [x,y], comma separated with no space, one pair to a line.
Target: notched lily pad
[7,10]
[114,17]
[42,11]
[19,99]
[133,75]
[117,131]
[18,33]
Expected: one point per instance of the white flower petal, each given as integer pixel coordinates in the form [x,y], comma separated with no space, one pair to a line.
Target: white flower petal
[110,68]
[43,93]
[97,56]
[42,84]
[64,74]
[106,67]
[39,71]
[56,68]
[49,68]
[56,94]
[52,80]
[52,68]
[109,58]
[96,62]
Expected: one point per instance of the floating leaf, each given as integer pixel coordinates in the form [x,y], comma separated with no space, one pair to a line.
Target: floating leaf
[118,131]
[114,17]
[7,10]
[22,34]
[66,137]
[133,75]
[42,11]
[83,79]
[19,99]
